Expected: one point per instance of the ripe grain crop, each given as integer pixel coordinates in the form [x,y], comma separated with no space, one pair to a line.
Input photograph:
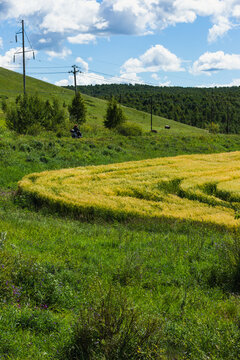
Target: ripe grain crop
[198,188]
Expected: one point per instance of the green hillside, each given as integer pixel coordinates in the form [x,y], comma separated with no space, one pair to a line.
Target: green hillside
[11,85]
[193,106]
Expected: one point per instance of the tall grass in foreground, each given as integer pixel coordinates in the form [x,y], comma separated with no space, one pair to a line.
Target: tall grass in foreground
[69,288]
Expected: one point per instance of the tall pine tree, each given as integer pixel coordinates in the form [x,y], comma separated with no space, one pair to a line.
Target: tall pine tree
[114,115]
[77,109]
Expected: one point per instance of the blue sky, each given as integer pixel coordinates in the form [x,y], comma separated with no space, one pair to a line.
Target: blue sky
[157,42]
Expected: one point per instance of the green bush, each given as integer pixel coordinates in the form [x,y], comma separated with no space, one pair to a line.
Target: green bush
[213,128]
[112,329]
[30,114]
[114,115]
[128,129]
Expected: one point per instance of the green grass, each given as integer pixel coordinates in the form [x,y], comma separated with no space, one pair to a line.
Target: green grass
[179,274]
[11,86]
[57,274]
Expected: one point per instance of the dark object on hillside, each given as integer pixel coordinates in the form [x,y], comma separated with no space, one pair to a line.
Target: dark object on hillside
[76,133]
[167,126]
[154,131]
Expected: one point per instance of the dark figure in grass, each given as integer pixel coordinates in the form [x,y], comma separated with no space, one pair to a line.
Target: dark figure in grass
[76,133]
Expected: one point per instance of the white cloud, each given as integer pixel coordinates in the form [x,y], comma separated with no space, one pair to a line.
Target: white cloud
[235,82]
[128,78]
[77,15]
[78,19]
[84,79]
[90,78]
[220,12]
[219,29]
[6,60]
[155,59]
[64,82]
[82,39]
[62,54]
[209,62]
[43,41]
[236,11]
[142,16]
[83,64]
[1,43]
[160,81]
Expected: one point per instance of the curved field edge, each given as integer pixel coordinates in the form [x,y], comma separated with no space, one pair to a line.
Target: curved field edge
[196,188]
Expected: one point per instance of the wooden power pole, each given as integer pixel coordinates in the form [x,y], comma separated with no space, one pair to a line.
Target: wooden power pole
[24,67]
[74,72]
[23,52]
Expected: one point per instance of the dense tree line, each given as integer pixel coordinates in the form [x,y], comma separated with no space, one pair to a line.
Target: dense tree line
[194,106]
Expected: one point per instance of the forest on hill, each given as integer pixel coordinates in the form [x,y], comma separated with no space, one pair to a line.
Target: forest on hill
[200,107]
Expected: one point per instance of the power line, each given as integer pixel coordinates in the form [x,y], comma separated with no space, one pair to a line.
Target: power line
[47,73]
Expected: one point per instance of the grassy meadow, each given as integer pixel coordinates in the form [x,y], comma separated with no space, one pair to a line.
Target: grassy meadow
[93,289]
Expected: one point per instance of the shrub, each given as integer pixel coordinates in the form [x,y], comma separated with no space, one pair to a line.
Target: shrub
[111,329]
[128,129]
[4,105]
[30,114]
[213,127]
[114,115]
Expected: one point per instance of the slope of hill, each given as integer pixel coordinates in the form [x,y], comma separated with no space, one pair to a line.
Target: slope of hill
[11,85]
[192,106]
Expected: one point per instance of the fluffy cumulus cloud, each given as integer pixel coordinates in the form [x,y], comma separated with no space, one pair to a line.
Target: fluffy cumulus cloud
[81,20]
[6,60]
[55,16]
[160,81]
[59,54]
[216,61]
[224,14]
[71,15]
[84,79]
[234,82]
[155,59]
[83,64]
[63,82]
[220,29]
[91,78]
[53,21]
[82,39]
[143,16]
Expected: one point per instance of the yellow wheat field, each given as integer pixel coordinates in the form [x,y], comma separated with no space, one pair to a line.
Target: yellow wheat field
[201,188]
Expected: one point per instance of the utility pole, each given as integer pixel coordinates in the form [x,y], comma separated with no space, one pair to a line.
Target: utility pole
[22,31]
[74,72]
[227,118]
[151,112]
[23,50]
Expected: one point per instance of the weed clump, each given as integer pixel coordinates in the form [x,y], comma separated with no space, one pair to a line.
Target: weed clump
[112,329]
[128,129]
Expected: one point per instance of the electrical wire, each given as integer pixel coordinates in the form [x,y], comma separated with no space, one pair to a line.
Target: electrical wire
[47,73]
